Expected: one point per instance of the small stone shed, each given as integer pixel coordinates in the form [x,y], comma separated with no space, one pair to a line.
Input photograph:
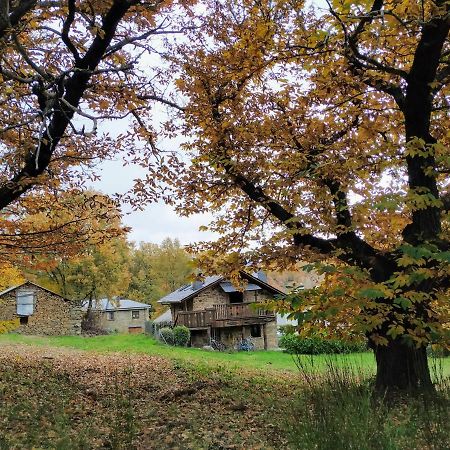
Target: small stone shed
[121,315]
[39,310]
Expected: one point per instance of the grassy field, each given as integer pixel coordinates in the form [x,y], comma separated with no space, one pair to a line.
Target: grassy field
[131,392]
[140,344]
[260,360]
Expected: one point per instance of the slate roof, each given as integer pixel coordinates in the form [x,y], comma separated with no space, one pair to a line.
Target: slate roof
[166,316]
[117,304]
[34,284]
[187,291]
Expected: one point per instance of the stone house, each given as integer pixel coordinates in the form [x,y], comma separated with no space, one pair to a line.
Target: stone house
[121,315]
[40,310]
[214,308]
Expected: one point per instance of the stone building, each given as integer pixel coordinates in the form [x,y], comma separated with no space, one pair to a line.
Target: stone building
[214,308]
[39,310]
[121,315]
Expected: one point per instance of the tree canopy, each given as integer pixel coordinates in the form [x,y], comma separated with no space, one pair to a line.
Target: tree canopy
[67,70]
[315,134]
[322,135]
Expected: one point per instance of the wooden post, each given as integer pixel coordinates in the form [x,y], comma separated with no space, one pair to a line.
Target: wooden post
[208,335]
[265,336]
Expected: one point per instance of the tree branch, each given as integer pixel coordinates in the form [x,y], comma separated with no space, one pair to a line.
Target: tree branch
[75,87]
[66,28]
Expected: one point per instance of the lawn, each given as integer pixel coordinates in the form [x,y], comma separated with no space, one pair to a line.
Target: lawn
[140,344]
[267,361]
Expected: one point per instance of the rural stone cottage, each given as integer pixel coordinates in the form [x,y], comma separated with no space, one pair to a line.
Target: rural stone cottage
[39,310]
[214,308]
[121,315]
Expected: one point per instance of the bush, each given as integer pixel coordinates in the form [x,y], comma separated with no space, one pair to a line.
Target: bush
[90,325]
[181,336]
[154,327]
[9,325]
[317,346]
[438,351]
[166,334]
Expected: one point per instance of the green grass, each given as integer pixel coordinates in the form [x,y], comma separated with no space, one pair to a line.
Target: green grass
[259,360]
[275,361]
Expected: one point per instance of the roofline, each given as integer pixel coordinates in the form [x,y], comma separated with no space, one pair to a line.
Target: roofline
[124,309]
[34,284]
[194,293]
[255,280]
[262,284]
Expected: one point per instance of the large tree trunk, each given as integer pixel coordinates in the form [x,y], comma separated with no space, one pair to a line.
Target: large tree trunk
[402,367]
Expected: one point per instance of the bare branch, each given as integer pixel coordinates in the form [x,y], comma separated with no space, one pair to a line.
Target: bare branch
[160,99]
[66,28]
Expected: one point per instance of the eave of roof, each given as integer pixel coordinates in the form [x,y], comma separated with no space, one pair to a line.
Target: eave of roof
[34,284]
[191,294]
[168,301]
[105,304]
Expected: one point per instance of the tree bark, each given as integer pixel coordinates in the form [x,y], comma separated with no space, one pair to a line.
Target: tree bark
[402,367]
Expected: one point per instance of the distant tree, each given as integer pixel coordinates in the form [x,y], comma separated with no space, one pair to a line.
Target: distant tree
[100,271]
[10,276]
[156,270]
[85,254]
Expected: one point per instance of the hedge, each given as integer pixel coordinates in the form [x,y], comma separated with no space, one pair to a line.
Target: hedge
[297,345]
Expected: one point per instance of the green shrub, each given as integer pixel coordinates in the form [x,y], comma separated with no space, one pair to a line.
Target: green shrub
[438,351]
[317,346]
[181,335]
[7,326]
[166,334]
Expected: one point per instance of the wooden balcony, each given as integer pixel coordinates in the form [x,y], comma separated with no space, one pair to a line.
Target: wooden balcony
[226,315]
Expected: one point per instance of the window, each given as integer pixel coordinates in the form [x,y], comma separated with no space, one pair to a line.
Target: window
[255,330]
[135,314]
[236,297]
[26,301]
[110,315]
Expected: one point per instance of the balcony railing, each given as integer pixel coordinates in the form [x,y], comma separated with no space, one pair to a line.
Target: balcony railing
[210,316]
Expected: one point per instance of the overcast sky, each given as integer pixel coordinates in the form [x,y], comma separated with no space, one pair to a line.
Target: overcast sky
[157,221]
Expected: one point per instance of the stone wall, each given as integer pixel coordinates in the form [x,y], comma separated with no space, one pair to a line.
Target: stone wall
[123,320]
[210,297]
[231,336]
[216,296]
[53,315]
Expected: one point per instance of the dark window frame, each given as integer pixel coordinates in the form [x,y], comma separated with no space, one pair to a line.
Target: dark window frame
[255,331]
[135,314]
[110,315]
[23,320]
[236,297]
